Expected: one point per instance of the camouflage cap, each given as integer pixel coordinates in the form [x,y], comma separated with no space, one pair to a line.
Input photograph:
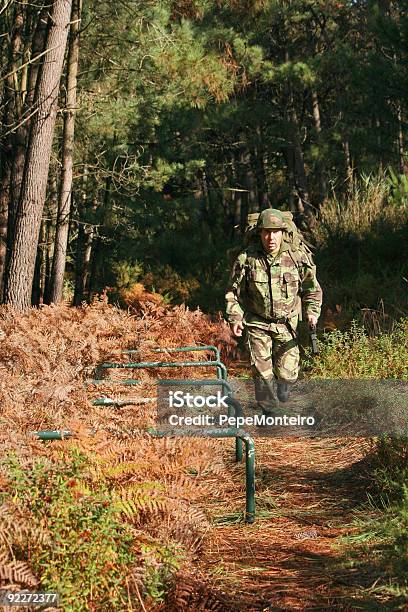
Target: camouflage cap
[271,218]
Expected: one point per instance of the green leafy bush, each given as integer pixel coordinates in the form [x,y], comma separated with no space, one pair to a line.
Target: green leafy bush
[353,354]
[89,551]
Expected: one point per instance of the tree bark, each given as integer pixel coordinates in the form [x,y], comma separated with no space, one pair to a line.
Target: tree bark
[37,293]
[97,248]
[290,165]
[33,190]
[44,246]
[303,204]
[83,259]
[65,195]
[51,216]
[261,165]
[320,166]
[401,150]
[11,106]
[241,170]
[250,183]
[300,199]
[4,204]
[349,164]
[263,194]
[21,135]
[236,198]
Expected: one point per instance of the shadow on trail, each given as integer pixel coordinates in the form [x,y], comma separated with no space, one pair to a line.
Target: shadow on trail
[292,558]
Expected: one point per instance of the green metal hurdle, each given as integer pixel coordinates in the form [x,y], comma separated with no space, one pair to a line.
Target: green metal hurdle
[234,408]
[234,405]
[217,363]
[187,349]
[141,365]
[231,432]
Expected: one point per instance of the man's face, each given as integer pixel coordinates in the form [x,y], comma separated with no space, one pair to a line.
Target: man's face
[271,239]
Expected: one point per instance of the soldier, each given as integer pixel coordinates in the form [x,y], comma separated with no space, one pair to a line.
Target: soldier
[268,284]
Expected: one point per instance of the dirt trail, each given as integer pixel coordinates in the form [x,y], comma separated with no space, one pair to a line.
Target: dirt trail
[308,493]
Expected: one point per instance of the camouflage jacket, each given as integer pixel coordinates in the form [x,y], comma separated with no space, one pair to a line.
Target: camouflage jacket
[265,287]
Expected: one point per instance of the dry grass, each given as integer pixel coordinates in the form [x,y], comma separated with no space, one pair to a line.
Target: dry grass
[45,356]
[366,205]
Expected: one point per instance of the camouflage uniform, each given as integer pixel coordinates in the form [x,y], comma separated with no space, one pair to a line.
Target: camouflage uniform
[264,294]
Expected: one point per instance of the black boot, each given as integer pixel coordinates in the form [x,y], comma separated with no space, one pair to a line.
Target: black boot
[265,394]
[283,390]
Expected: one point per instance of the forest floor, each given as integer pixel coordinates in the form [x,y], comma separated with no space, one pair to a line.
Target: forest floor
[303,551]
[308,494]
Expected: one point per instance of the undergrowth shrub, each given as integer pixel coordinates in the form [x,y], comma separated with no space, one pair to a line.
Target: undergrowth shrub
[362,248]
[88,550]
[353,354]
[397,529]
[391,466]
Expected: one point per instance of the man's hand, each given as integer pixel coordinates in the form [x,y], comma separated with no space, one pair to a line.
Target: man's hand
[312,320]
[237,329]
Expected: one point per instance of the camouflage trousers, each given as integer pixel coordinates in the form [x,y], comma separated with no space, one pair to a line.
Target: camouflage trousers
[274,354]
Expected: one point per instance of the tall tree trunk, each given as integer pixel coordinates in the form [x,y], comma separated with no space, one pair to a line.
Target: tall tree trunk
[290,166]
[97,249]
[378,131]
[33,190]
[44,246]
[86,268]
[21,135]
[301,199]
[320,166]
[261,164]
[83,259]
[303,204]
[205,200]
[65,195]
[401,150]
[235,200]
[38,286]
[349,163]
[263,195]
[243,186]
[250,183]
[11,107]
[51,222]
[4,207]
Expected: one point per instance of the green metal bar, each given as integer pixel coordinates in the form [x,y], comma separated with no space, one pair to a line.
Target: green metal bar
[111,381]
[249,458]
[164,364]
[108,401]
[233,402]
[181,349]
[184,349]
[175,382]
[48,434]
